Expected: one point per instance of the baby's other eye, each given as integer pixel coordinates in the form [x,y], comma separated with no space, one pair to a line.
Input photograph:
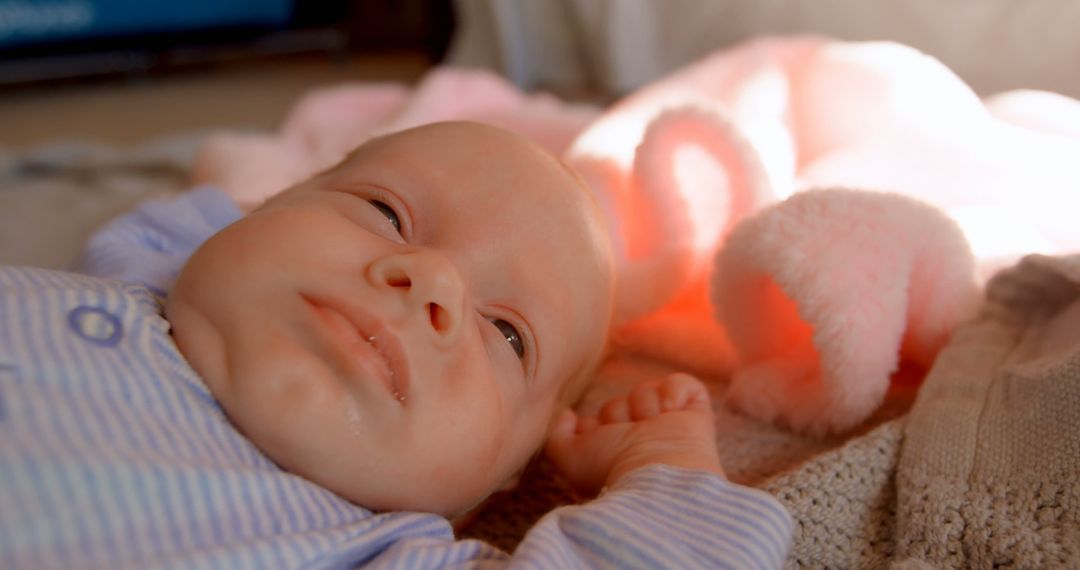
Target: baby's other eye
[389,212]
[511,335]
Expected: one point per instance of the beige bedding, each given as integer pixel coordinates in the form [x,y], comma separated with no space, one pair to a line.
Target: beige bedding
[52,198]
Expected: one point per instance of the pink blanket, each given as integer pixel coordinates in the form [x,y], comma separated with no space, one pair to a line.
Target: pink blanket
[805,217]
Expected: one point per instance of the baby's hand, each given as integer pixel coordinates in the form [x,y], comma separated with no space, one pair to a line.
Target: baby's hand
[669,421]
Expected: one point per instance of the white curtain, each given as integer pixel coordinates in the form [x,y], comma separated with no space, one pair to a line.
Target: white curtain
[610,47]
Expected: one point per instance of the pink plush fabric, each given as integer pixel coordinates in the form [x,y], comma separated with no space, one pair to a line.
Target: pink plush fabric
[825,293]
[810,301]
[823,296]
[331,121]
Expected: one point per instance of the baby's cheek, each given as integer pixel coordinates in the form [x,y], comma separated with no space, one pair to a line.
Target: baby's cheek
[488,406]
[500,443]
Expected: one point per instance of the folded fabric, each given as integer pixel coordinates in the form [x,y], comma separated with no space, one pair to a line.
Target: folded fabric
[824,294]
[820,301]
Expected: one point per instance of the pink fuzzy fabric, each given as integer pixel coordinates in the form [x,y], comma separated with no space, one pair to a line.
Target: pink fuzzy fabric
[329,122]
[820,298]
[827,292]
[809,301]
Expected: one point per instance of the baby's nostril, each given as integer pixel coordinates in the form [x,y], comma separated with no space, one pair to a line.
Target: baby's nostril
[440,319]
[397,278]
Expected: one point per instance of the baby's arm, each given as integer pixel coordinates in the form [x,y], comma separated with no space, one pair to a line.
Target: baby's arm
[666,501]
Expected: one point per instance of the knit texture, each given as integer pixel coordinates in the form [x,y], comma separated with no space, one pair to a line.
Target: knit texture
[989,475]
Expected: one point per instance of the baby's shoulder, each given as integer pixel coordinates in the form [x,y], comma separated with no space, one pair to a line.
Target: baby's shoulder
[23,279]
[32,285]
[43,311]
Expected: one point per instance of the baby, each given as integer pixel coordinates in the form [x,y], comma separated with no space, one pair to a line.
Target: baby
[334,374]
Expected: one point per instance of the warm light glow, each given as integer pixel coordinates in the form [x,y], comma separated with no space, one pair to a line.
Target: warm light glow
[993,233]
[707,188]
[618,133]
[615,138]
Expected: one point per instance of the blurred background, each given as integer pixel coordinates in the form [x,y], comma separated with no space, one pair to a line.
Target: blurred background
[126,70]
[106,102]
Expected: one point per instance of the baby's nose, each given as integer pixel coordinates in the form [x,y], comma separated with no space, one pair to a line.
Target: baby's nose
[431,286]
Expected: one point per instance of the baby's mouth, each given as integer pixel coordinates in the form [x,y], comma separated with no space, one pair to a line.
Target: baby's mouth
[364,337]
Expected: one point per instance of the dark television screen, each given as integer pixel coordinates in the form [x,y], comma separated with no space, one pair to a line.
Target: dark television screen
[44,39]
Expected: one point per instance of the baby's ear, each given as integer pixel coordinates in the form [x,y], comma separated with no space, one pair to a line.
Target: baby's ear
[694,175]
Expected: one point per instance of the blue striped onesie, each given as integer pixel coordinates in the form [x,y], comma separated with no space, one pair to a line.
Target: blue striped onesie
[113,453]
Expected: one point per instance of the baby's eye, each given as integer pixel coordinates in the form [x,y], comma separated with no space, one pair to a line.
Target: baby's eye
[511,335]
[389,212]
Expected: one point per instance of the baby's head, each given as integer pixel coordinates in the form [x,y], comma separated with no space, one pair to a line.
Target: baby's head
[400,328]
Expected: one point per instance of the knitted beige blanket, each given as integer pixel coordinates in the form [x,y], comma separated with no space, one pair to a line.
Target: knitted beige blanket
[983,470]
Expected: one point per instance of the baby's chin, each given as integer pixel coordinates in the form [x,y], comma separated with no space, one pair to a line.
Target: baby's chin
[381,485]
[197,340]
[392,495]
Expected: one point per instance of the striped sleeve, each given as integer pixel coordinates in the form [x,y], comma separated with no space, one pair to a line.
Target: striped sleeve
[656,517]
[150,244]
[664,517]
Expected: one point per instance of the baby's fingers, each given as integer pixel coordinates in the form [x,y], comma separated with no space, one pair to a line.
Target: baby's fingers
[615,410]
[681,391]
[562,439]
[564,427]
[645,401]
[583,449]
[586,424]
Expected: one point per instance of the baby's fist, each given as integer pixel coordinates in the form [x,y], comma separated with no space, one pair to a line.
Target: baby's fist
[667,421]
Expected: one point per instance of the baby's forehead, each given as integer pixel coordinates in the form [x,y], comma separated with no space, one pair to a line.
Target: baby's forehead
[450,136]
[461,140]
[471,161]
[494,187]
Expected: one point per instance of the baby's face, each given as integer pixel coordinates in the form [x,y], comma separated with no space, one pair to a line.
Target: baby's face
[398,329]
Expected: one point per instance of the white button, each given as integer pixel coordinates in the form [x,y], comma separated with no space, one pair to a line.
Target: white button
[95,325]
